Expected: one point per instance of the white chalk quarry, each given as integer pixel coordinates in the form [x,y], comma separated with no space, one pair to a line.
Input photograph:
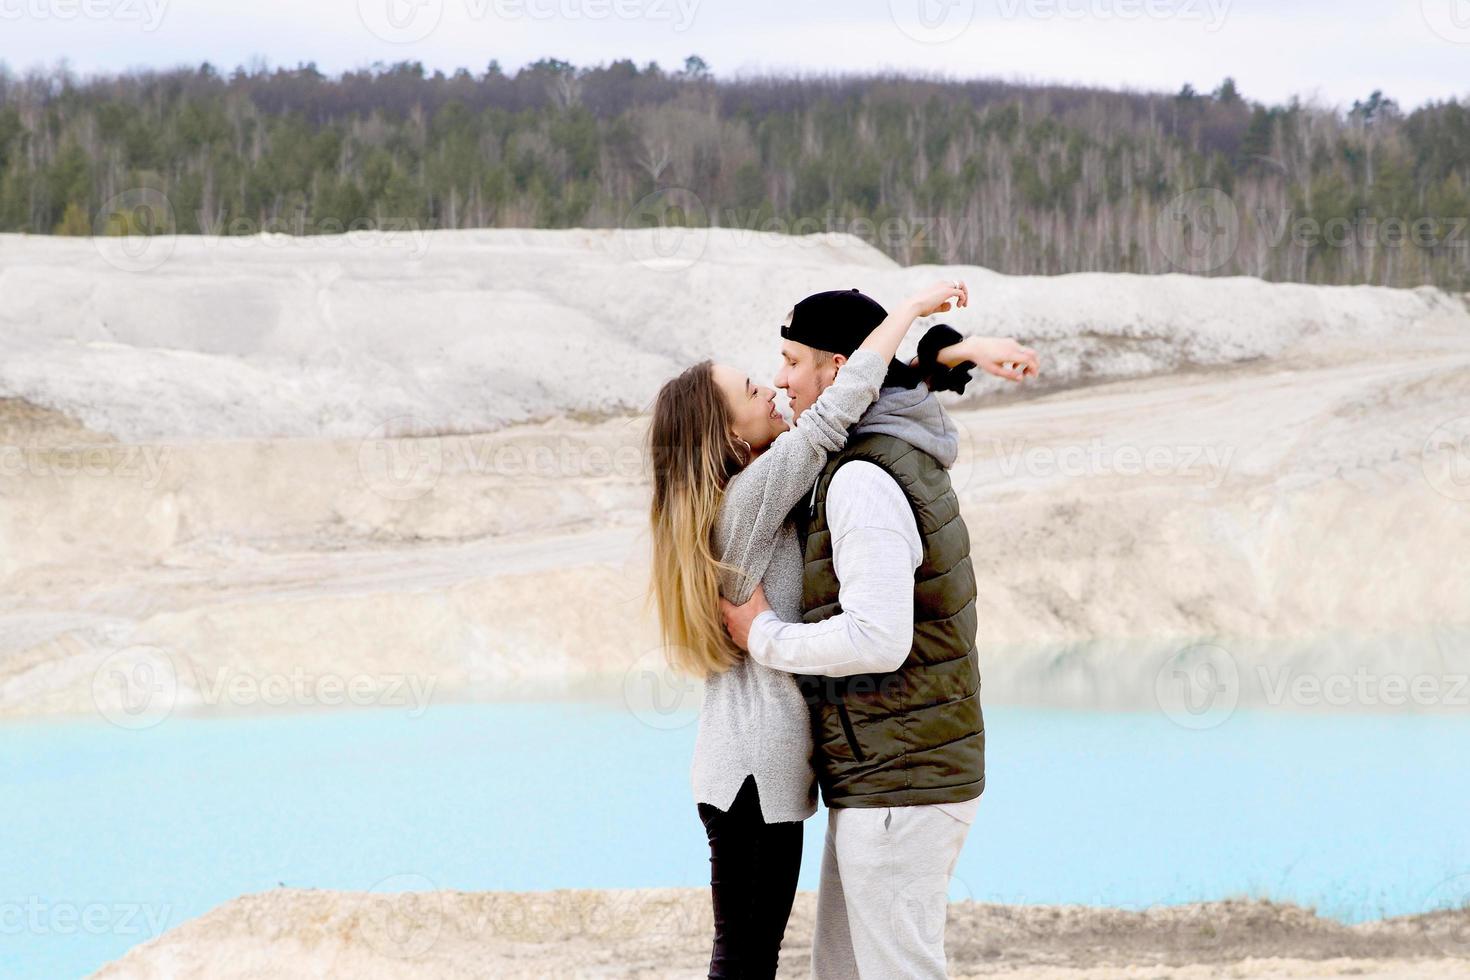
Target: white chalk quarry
[387,454]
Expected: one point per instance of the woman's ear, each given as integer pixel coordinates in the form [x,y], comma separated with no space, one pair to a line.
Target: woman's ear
[742,448]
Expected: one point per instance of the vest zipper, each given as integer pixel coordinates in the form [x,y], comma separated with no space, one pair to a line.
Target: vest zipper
[847,730]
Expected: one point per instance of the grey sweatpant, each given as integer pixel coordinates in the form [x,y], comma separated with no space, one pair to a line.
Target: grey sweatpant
[883,896]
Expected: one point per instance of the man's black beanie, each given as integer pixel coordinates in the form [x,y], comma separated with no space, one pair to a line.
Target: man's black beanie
[837,321]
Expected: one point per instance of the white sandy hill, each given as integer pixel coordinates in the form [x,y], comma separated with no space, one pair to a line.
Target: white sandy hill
[374,456]
[467,331]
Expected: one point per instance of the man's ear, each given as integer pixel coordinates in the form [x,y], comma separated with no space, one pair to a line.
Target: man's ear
[837,361]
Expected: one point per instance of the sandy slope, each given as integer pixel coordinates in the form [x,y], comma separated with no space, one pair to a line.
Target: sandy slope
[1295,520]
[663,934]
[1306,511]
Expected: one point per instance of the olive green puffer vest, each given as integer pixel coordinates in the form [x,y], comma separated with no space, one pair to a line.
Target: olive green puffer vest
[915,735]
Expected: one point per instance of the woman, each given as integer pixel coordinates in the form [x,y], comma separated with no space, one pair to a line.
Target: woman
[727,472]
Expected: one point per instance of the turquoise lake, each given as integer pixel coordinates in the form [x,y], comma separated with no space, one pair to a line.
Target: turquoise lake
[113,835]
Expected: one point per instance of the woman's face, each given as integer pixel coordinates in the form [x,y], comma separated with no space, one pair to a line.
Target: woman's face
[753,413]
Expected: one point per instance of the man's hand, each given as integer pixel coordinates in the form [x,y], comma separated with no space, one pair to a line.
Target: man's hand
[739,618]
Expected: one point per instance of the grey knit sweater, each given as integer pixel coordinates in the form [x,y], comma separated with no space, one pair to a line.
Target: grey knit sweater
[754,720]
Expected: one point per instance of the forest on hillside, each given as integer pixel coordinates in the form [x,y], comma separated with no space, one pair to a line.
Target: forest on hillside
[1018,178]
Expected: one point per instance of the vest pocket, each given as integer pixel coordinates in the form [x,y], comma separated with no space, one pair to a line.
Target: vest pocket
[847,730]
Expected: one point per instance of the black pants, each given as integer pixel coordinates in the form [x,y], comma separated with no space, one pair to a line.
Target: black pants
[753,870]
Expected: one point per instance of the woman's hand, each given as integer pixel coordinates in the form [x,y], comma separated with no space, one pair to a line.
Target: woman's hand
[1003,357]
[941,297]
[1000,356]
[938,298]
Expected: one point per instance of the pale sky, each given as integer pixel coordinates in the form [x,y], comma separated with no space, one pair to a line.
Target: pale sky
[1332,50]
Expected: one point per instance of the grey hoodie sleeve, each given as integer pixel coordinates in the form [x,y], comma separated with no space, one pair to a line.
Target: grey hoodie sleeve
[759,497]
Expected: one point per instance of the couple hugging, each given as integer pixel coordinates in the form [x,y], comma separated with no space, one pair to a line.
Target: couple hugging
[817,576]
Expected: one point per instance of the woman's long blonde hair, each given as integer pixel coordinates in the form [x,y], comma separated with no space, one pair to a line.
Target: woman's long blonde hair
[694,452]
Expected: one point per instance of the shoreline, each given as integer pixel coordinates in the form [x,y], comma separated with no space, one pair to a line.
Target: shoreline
[1263,686]
[663,933]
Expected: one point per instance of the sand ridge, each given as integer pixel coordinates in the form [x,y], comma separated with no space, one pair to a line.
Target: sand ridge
[662,934]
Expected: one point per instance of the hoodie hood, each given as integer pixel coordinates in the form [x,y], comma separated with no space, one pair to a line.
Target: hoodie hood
[915,416]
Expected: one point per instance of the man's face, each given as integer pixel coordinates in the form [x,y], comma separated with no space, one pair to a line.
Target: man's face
[805,373]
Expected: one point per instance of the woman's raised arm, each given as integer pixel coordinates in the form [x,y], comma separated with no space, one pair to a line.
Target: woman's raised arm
[759,498]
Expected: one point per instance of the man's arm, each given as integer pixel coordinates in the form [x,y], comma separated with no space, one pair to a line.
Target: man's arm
[875,551]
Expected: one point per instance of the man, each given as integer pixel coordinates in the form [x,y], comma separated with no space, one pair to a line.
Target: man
[886,654]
